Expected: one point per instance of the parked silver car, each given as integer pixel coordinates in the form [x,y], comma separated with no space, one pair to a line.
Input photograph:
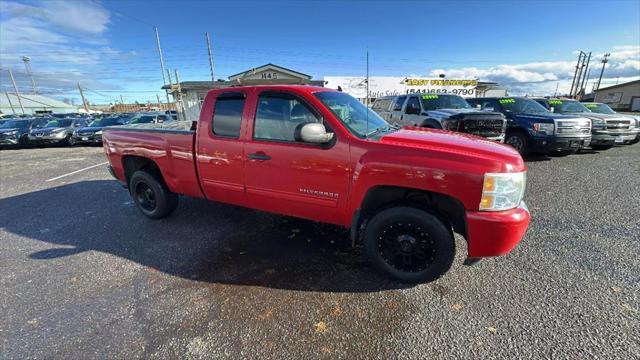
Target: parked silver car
[57,131]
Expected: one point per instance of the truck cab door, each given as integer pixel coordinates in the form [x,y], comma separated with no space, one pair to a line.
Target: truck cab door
[412,112]
[287,176]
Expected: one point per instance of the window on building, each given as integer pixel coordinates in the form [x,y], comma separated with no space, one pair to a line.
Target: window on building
[278,117]
[227,116]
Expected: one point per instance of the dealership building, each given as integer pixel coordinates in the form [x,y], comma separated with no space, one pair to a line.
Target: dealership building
[622,97]
[193,93]
[32,104]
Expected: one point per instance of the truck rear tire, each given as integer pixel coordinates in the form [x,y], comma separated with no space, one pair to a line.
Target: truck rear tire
[409,244]
[151,195]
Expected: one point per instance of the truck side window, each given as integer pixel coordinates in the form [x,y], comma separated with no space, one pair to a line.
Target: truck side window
[413,106]
[227,116]
[278,117]
[399,102]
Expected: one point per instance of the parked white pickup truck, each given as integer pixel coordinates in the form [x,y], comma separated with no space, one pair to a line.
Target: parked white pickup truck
[438,111]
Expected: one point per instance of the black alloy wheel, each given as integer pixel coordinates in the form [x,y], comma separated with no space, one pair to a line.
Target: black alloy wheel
[145,196]
[409,244]
[151,195]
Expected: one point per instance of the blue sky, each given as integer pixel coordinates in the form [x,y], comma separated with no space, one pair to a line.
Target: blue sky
[109,46]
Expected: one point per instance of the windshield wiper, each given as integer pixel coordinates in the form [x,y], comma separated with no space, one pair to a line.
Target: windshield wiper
[376,130]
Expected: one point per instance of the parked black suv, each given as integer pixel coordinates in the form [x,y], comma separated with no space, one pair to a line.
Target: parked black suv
[15,132]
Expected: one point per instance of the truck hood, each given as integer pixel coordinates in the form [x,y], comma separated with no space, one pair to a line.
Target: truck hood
[48,130]
[598,116]
[456,143]
[90,129]
[547,117]
[447,113]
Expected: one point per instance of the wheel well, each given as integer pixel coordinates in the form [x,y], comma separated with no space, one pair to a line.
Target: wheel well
[131,164]
[518,130]
[446,208]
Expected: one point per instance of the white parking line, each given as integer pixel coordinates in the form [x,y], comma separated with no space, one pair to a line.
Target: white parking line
[77,171]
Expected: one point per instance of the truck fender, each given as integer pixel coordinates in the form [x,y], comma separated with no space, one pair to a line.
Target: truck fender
[430,124]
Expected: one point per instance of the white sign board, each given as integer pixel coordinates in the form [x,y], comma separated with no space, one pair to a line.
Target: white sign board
[388,85]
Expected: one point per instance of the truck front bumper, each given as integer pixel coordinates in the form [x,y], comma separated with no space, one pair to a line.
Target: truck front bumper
[496,233]
[549,144]
[606,137]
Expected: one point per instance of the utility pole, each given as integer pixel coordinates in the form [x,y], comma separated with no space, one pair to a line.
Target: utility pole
[210,57]
[17,92]
[575,74]
[582,88]
[84,102]
[604,62]
[121,101]
[159,103]
[579,79]
[27,66]
[555,94]
[10,104]
[171,87]
[164,80]
[181,105]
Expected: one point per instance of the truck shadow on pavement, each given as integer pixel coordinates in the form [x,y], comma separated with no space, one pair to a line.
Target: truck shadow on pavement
[202,241]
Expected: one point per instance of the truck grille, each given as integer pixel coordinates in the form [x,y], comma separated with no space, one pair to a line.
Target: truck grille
[573,127]
[619,124]
[486,125]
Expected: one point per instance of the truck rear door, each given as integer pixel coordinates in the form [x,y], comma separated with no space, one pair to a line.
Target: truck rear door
[219,147]
[287,176]
[396,110]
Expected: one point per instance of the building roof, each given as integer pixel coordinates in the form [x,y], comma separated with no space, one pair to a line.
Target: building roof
[30,101]
[620,85]
[269,66]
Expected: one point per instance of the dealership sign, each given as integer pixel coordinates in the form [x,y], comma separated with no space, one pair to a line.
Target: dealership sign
[387,85]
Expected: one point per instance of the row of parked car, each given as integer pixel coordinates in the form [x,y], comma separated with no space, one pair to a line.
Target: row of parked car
[68,129]
[531,125]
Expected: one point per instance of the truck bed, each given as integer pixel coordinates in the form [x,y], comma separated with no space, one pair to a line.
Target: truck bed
[170,145]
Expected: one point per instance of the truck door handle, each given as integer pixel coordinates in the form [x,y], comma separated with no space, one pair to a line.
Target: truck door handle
[259,156]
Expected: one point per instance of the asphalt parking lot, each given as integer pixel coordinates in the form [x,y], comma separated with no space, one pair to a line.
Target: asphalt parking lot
[84,275]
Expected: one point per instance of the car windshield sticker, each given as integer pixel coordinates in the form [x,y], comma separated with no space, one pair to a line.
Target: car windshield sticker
[555,102]
[429,97]
[507,101]
[591,106]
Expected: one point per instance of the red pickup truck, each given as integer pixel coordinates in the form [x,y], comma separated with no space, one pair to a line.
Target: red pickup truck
[320,154]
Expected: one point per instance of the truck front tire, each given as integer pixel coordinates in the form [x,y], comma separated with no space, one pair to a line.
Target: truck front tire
[518,141]
[151,195]
[409,244]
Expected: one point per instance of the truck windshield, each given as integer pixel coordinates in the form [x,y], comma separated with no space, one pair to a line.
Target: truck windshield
[518,105]
[360,120]
[58,123]
[105,122]
[143,119]
[600,108]
[437,101]
[568,106]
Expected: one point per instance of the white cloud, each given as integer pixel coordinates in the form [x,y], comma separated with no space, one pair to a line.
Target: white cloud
[66,41]
[542,77]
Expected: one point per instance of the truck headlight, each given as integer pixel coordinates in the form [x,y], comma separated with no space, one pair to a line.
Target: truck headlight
[502,191]
[544,128]
[597,123]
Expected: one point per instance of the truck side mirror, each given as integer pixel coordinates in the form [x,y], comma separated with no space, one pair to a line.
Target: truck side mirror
[314,133]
